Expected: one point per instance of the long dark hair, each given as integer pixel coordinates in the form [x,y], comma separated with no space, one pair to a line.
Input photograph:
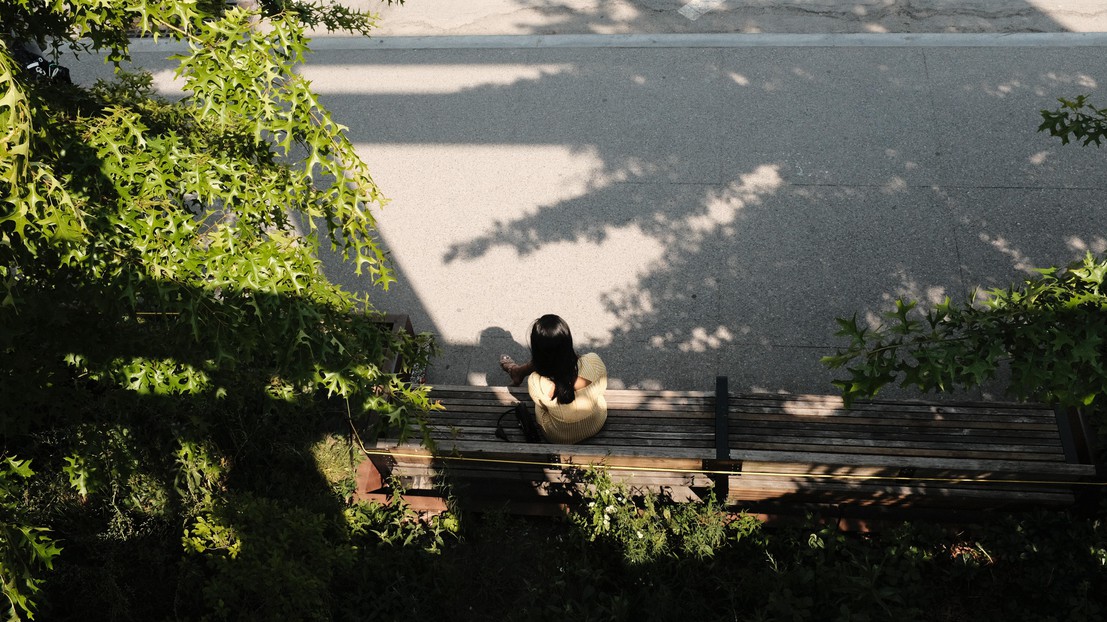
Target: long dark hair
[551,350]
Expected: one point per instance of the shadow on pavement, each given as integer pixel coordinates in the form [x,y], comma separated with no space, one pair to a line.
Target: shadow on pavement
[708,211]
[547,17]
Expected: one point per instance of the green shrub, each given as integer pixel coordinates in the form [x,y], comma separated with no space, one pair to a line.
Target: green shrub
[647,526]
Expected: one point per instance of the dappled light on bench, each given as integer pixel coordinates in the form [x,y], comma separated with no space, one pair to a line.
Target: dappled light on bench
[811,449]
[767,453]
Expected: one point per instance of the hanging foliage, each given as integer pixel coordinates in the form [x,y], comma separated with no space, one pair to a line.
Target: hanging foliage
[162,320]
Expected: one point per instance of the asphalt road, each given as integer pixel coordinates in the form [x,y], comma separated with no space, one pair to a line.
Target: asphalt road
[696,205]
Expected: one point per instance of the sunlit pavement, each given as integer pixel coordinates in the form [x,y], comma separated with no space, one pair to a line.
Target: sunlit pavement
[696,207]
[544,17]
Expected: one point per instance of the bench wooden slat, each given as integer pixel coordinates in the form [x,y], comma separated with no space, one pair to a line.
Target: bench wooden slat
[615,435]
[951,442]
[865,446]
[497,409]
[582,451]
[833,403]
[626,394]
[638,440]
[798,490]
[623,416]
[798,429]
[963,464]
[885,422]
[878,418]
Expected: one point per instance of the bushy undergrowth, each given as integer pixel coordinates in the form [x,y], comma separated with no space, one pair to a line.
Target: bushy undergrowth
[644,528]
[619,556]
[692,561]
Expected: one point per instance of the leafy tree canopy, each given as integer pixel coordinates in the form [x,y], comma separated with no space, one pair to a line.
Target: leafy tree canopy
[164,326]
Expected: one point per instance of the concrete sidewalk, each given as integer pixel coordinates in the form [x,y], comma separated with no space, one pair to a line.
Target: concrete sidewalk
[545,17]
[706,211]
[694,211]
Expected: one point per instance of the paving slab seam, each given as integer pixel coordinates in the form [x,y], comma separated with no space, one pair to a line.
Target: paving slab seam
[720,40]
[681,40]
[920,186]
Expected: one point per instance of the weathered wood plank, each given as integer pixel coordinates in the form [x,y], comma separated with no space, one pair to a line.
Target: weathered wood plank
[764,489]
[495,410]
[878,418]
[631,440]
[861,473]
[835,403]
[952,445]
[900,436]
[628,394]
[1055,469]
[921,426]
[581,451]
[953,435]
[615,422]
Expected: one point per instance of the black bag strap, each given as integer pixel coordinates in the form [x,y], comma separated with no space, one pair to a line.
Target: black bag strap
[529,424]
[500,432]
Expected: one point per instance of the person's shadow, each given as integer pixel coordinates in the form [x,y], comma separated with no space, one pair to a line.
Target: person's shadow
[484,358]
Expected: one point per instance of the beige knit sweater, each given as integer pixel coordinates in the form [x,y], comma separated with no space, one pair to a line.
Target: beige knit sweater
[579,419]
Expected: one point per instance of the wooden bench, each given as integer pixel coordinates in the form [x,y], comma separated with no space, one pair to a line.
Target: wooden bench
[652,439]
[767,453]
[807,449]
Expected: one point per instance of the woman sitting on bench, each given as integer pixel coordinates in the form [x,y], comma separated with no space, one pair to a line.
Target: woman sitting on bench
[567,390]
